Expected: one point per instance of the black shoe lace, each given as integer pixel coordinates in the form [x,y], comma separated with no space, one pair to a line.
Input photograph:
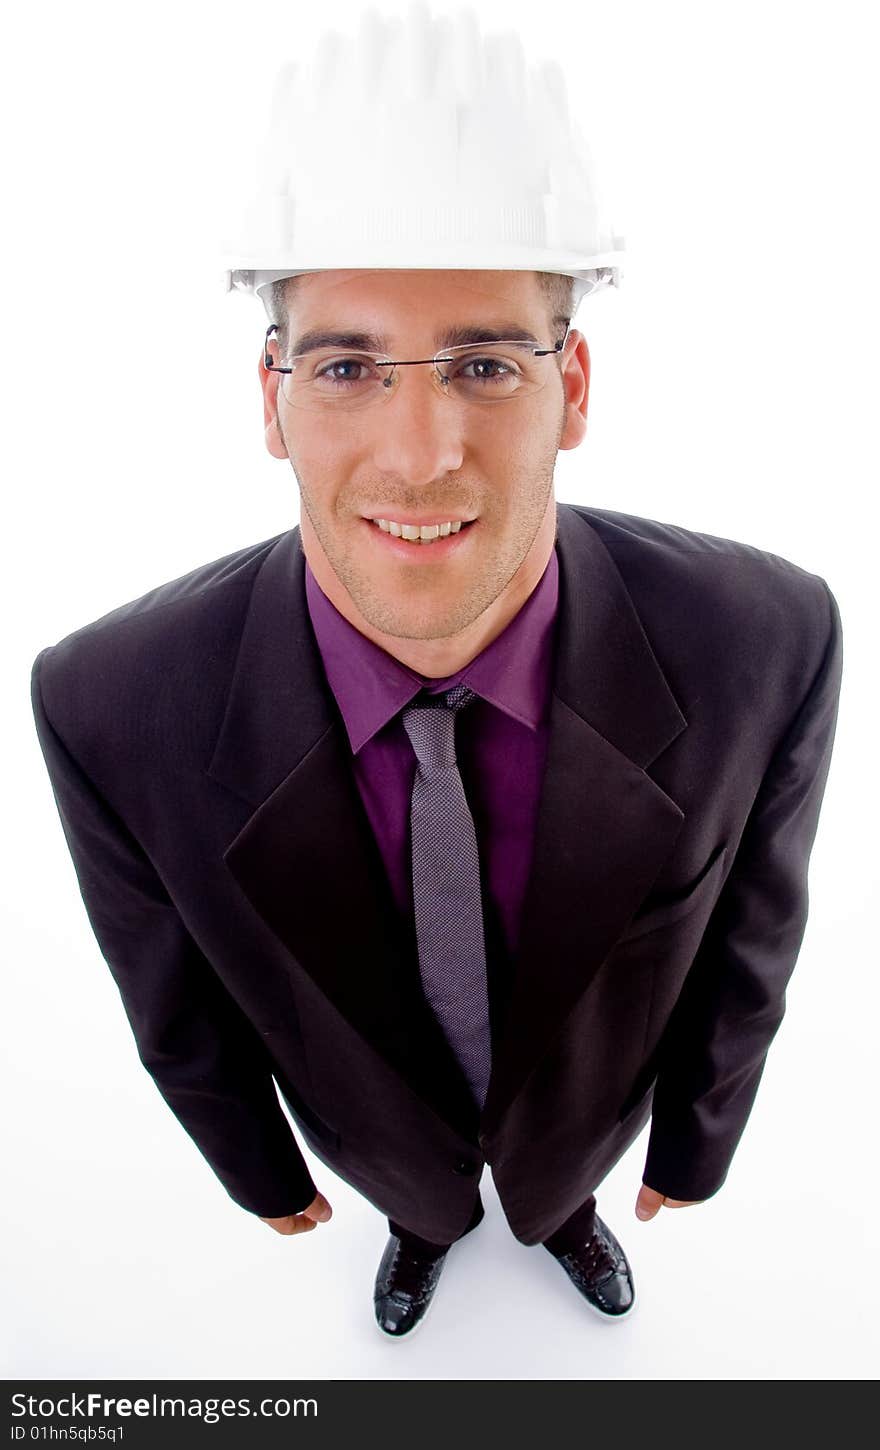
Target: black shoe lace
[411,1272]
[595,1260]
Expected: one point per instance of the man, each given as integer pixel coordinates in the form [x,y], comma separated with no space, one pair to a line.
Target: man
[485,845]
[223,755]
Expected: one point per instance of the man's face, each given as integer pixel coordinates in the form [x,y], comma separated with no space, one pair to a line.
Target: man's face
[421,457]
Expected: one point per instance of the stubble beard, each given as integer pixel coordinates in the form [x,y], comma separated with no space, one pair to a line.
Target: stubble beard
[426,613]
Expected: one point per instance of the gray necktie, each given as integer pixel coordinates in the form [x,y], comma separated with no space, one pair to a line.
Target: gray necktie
[446,887]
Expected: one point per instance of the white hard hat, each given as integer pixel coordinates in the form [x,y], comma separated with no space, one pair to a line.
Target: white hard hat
[417,142]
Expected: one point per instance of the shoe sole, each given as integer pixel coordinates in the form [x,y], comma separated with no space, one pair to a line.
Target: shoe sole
[611,1318]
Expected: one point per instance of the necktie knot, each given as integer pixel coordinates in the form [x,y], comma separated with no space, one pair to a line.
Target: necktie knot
[430,724]
[458,696]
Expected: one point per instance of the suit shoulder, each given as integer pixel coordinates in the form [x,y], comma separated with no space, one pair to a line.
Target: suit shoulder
[706,566]
[762,613]
[113,668]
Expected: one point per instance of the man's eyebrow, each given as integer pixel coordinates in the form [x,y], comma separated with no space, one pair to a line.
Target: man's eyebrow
[448,336]
[504,332]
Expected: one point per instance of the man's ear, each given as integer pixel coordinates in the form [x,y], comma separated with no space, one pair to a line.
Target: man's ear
[269,383]
[576,383]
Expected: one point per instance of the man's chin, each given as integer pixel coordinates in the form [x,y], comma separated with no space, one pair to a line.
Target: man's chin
[398,624]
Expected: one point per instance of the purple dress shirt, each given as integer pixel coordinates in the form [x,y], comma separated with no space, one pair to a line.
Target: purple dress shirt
[501,738]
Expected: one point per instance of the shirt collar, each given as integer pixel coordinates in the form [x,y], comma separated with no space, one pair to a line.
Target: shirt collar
[513,672]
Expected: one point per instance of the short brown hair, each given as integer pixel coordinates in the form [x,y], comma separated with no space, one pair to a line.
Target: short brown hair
[556,287]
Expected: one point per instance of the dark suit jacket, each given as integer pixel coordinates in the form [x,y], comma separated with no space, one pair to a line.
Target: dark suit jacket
[203,778]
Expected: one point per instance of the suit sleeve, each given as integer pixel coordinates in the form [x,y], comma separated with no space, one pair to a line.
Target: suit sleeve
[202,1052]
[714,1050]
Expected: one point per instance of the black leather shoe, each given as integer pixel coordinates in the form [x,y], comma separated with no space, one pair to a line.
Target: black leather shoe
[601,1272]
[404,1287]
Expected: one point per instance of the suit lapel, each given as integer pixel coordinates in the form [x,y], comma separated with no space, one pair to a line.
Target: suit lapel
[306,857]
[307,860]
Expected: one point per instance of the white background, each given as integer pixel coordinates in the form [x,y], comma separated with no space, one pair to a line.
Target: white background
[734,392]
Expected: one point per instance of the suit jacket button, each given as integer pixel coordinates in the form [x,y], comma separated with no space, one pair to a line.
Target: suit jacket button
[464,1166]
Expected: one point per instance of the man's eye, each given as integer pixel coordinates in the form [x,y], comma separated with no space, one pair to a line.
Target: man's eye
[485,363]
[334,370]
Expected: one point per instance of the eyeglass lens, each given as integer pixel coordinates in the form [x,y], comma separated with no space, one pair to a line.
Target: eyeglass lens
[472,373]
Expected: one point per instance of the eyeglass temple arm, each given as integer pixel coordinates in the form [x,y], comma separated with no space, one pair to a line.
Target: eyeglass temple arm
[557,346]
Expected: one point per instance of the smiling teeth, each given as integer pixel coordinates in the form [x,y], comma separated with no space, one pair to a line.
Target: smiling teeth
[426,534]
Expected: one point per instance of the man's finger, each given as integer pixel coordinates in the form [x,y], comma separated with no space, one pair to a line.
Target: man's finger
[648,1202]
[290,1223]
[319,1209]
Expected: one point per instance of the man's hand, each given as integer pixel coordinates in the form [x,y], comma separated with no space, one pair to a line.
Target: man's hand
[649,1201]
[317,1212]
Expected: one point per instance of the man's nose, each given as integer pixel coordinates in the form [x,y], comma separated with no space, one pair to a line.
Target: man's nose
[419,433]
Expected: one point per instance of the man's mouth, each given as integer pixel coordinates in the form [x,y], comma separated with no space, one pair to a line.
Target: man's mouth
[423,533]
[407,539]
